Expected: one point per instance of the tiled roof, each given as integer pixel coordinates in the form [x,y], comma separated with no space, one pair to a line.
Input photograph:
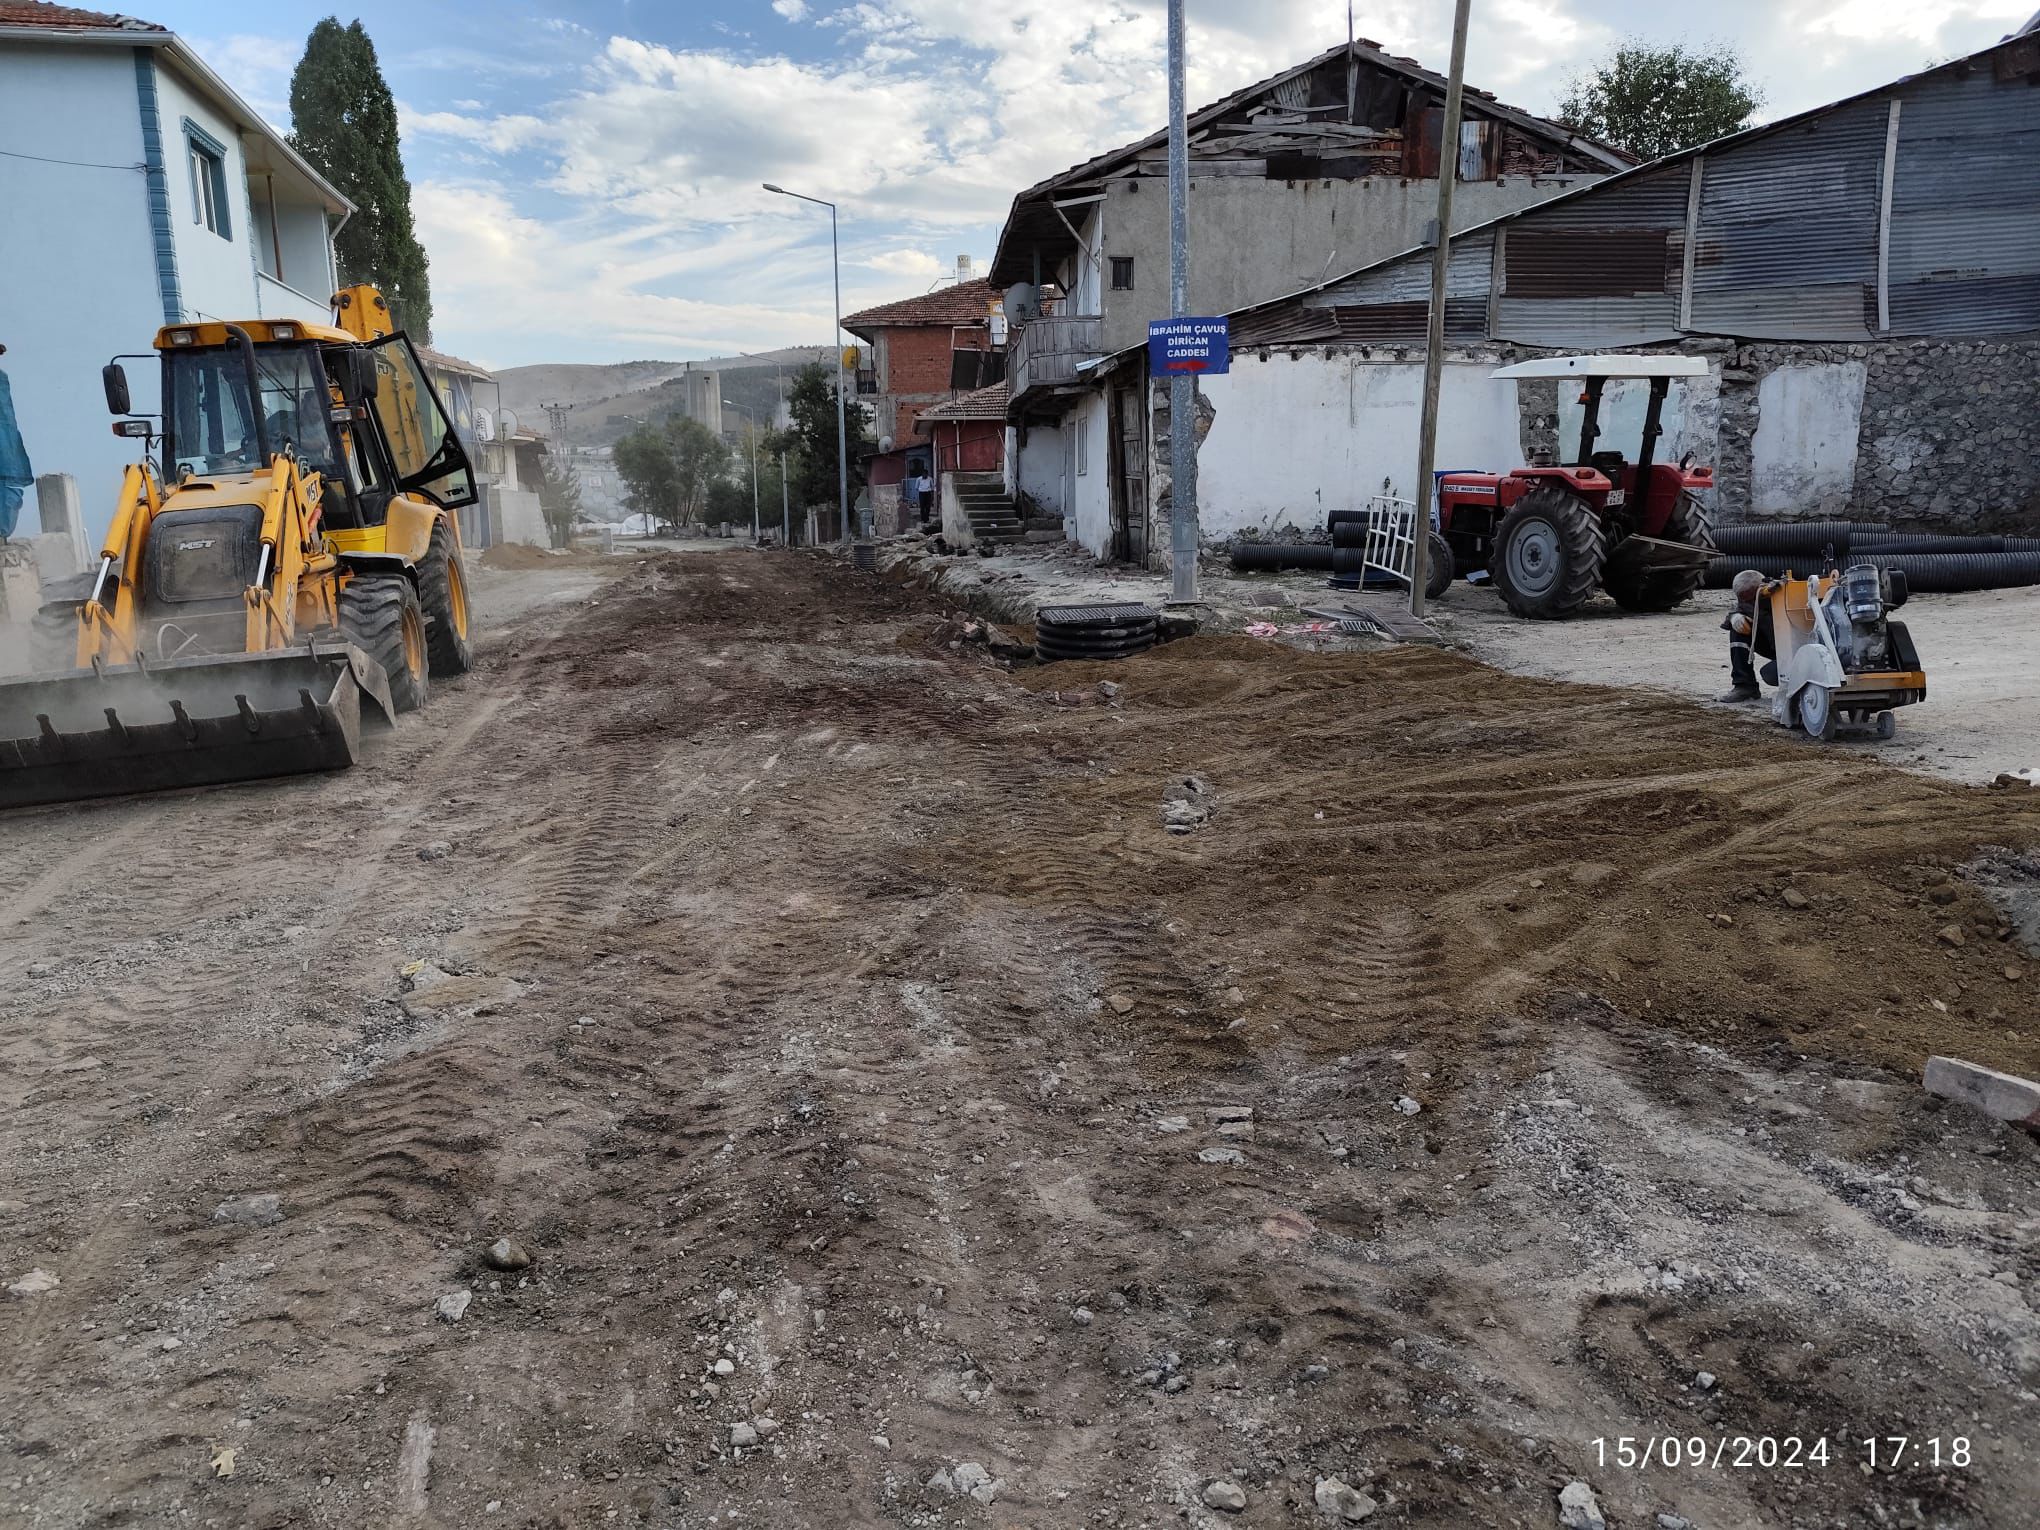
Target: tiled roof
[959,303]
[68,18]
[447,363]
[978,404]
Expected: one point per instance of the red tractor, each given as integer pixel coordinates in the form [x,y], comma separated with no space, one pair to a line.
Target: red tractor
[1549,534]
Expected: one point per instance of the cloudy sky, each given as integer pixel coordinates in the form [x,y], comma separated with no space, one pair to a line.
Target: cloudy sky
[586,172]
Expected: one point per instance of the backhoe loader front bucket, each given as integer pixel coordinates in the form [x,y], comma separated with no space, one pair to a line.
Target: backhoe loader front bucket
[187,722]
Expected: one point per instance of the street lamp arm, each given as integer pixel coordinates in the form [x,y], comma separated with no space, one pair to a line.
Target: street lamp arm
[782,191]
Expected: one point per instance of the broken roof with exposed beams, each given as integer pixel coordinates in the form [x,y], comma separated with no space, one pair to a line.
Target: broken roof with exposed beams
[1352,111]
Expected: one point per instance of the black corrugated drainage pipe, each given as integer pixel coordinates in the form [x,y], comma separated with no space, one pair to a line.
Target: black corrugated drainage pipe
[1925,573]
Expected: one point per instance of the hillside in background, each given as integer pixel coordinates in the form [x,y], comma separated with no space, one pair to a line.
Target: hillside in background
[606,399]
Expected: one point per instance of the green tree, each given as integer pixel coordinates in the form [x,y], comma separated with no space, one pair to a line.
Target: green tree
[1655,101]
[811,459]
[344,122]
[669,468]
[644,461]
[559,498]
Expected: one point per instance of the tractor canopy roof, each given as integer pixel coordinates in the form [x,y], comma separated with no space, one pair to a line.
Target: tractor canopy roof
[1606,366]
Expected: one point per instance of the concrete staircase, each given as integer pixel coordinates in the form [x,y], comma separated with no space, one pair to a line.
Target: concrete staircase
[993,516]
[995,519]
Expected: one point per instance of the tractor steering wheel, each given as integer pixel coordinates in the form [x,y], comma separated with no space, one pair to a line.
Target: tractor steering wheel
[1685,462]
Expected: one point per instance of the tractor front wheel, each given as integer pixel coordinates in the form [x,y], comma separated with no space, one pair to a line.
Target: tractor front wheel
[442,591]
[1438,567]
[1548,554]
[381,616]
[1645,589]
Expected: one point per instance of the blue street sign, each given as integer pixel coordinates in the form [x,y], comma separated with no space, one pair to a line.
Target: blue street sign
[1200,347]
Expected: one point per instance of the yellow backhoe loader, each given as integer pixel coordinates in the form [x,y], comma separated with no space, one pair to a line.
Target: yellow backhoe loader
[291,553]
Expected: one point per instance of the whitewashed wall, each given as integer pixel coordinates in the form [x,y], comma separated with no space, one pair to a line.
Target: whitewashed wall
[78,240]
[1803,457]
[1087,513]
[1295,437]
[1042,469]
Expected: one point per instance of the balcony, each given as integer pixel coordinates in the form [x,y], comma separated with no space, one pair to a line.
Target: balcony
[1047,351]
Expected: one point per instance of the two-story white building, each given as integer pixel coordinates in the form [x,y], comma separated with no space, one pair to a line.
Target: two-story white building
[136,190]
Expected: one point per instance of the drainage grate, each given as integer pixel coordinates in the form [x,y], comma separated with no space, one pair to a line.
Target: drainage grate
[1130,614]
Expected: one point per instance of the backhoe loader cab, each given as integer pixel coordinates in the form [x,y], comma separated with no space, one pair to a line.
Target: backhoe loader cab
[1549,533]
[290,551]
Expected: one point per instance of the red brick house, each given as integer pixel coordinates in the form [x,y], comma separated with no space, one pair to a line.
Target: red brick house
[915,361]
[924,351]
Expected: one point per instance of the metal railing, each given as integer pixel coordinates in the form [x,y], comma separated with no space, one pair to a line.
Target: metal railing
[1390,550]
[1048,349]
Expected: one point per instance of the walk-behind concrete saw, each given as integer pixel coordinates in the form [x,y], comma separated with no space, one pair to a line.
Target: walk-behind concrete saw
[1840,660]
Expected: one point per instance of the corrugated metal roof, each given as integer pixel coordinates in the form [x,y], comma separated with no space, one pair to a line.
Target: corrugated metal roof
[1977,179]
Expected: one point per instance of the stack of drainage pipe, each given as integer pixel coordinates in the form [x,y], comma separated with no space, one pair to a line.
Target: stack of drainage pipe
[1345,554]
[1932,562]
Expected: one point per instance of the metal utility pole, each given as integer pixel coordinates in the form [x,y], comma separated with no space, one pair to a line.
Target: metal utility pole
[842,428]
[754,481]
[1182,386]
[1434,346]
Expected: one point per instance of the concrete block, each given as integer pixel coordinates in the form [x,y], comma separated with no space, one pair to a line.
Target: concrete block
[2005,1096]
[62,514]
[56,557]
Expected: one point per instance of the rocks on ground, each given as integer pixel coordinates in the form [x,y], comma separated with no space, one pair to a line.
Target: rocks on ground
[250,1211]
[1578,1510]
[1224,1495]
[37,1282]
[1341,1501]
[967,1479]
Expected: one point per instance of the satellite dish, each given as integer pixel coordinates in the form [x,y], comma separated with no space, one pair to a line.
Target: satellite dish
[885,443]
[1023,302]
[485,425]
[506,422]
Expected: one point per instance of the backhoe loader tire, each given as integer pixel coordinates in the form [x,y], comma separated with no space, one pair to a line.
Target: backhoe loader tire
[1547,554]
[381,616]
[1663,588]
[443,592]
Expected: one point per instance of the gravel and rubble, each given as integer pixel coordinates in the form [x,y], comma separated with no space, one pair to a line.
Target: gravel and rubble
[835,1097]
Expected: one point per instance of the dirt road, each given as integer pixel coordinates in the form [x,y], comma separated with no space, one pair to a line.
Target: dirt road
[904,1128]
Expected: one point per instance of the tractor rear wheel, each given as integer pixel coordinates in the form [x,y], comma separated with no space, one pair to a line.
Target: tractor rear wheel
[1662,589]
[1548,554]
[442,591]
[381,616]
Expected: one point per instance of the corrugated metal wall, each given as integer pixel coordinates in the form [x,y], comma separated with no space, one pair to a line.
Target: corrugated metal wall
[1965,207]
[1598,269]
[1786,246]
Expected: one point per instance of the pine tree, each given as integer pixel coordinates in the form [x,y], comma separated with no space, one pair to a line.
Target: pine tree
[344,122]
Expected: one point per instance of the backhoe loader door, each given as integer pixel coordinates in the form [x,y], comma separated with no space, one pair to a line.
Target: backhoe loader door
[187,722]
[424,450]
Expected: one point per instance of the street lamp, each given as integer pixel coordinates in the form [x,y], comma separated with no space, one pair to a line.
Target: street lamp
[842,430]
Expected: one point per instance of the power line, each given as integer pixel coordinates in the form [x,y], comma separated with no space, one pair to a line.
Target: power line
[80,164]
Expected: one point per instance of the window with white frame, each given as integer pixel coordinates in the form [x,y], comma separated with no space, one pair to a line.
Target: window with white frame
[1083,434]
[207,159]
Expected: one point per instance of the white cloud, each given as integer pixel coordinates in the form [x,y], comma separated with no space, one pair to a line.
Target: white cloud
[792,10]
[910,265]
